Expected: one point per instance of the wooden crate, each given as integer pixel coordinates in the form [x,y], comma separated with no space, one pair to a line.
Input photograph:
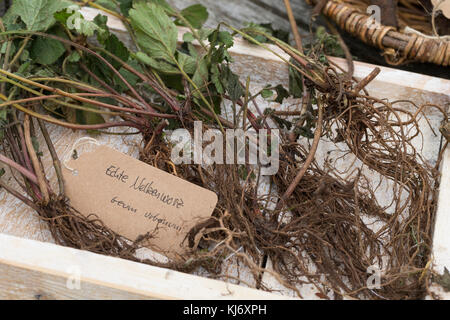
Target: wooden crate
[33,267]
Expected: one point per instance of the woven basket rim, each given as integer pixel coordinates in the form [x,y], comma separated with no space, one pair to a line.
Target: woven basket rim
[398,46]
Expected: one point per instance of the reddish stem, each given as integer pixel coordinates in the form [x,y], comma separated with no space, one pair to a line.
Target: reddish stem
[24,171]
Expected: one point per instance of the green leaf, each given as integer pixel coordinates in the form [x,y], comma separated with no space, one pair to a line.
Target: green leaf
[46,51]
[200,77]
[295,83]
[204,33]
[159,65]
[108,4]
[62,16]
[215,78]
[156,34]
[24,68]
[220,41]
[74,57]
[35,143]
[3,114]
[125,6]
[282,122]
[196,15]
[255,31]
[305,131]
[163,4]
[221,38]
[130,77]
[443,280]
[86,27]
[103,31]
[266,93]
[187,63]
[37,14]
[74,20]
[44,73]
[282,93]
[117,48]
[25,56]
[232,84]
[188,37]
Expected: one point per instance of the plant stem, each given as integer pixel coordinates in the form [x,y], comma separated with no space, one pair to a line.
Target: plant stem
[297,38]
[84,100]
[54,155]
[35,161]
[20,51]
[19,196]
[109,65]
[22,170]
[71,125]
[308,161]
[202,97]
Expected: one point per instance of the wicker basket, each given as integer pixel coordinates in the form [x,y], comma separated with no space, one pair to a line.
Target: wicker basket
[404,44]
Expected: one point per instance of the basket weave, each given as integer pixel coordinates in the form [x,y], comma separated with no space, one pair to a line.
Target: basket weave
[398,46]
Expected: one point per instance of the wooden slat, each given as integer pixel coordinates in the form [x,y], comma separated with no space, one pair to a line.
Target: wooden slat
[441,239]
[33,269]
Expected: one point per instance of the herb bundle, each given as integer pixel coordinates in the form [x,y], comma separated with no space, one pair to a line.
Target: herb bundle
[59,68]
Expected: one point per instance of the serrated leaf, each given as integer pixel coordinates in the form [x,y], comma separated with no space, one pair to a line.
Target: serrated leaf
[187,63]
[196,15]
[117,48]
[156,34]
[46,51]
[215,78]
[221,38]
[37,14]
[74,20]
[86,27]
[159,65]
[200,77]
[163,4]
[232,84]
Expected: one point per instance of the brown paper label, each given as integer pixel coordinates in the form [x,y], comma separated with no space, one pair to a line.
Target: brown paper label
[133,198]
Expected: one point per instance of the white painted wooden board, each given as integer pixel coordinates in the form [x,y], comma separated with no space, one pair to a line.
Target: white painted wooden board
[18,220]
[100,276]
